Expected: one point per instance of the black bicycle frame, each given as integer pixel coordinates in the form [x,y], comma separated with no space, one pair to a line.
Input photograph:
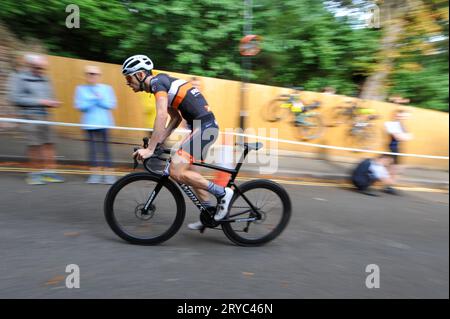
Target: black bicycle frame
[193,197]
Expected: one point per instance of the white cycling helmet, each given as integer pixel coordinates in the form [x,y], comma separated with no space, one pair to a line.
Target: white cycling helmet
[136,63]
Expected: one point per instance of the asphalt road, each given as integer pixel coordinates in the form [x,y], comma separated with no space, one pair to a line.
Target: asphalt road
[333,235]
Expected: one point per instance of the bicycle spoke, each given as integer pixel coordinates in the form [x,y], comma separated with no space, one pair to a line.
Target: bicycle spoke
[130,216]
[269,206]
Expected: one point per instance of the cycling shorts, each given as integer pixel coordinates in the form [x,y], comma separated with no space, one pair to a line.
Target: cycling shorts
[195,146]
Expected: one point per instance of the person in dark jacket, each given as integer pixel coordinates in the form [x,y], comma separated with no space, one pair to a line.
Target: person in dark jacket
[369,171]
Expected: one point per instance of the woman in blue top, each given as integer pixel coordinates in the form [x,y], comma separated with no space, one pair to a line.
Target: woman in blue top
[96,101]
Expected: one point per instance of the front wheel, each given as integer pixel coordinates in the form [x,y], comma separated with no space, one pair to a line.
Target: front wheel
[340,115]
[125,213]
[274,206]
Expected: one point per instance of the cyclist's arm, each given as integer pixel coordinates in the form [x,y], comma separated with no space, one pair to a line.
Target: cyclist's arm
[159,126]
[175,120]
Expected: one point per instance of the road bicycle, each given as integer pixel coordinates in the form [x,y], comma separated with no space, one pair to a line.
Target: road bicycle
[148,208]
[307,121]
[361,132]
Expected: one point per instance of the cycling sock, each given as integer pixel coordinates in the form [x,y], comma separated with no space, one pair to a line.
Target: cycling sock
[207,203]
[216,190]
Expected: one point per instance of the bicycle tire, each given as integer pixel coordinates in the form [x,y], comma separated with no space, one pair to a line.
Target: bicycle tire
[133,177]
[286,215]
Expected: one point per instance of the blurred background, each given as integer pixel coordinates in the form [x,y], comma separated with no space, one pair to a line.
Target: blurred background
[388,51]
[306,43]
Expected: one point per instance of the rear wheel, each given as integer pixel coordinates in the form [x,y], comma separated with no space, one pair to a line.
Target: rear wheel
[340,115]
[270,200]
[125,214]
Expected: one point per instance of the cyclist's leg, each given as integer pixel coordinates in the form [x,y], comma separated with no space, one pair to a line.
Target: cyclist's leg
[202,194]
[192,149]
[181,170]
[195,147]
[181,165]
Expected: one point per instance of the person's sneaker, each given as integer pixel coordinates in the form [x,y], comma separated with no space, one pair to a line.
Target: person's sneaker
[109,179]
[52,178]
[94,179]
[196,226]
[390,190]
[223,203]
[369,193]
[34,179]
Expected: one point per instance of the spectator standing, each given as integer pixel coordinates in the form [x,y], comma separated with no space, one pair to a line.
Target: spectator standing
[31,91]
[95,101]
[397,135]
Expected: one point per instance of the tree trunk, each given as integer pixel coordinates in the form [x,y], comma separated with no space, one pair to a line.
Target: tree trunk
[392,14]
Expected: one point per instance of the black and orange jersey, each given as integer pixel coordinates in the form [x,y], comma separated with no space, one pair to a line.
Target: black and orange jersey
[182,96]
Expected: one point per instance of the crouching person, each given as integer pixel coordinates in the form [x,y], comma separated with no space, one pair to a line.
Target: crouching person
[373,170]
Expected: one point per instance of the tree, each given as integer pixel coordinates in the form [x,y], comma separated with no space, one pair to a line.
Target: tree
[413,47]
[306,43]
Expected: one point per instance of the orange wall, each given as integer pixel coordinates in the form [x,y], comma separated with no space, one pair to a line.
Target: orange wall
[430,128]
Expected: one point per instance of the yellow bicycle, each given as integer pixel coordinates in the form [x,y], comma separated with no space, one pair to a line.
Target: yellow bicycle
[308,122]
[360,120]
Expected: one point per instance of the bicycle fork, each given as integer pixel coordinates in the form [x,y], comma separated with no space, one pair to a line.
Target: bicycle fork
[157,189]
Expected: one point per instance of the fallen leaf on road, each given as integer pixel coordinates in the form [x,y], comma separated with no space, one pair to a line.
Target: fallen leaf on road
[55,280]
[72,234]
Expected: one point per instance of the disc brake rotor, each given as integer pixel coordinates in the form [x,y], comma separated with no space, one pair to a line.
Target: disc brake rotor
[263,217]
[140,214]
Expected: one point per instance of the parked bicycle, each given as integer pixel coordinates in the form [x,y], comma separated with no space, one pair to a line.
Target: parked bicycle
[343,114]
[308,122]
[148,208]
[361,132]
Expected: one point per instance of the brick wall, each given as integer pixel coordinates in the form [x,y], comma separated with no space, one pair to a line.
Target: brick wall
[11,50]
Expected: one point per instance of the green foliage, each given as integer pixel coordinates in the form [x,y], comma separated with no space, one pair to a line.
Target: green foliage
[420,54]
[421,70]
[427,87]
[304,44]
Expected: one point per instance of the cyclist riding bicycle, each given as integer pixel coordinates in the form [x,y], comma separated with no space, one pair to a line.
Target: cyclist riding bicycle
[178,99]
